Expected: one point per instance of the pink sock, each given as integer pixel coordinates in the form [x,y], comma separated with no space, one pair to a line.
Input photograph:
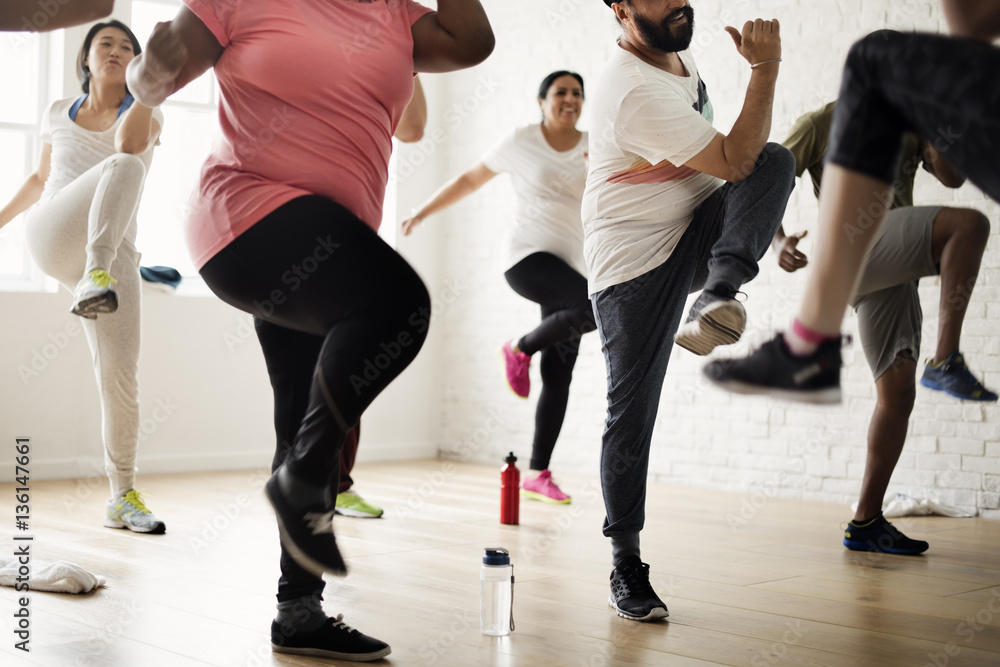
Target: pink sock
[803,341]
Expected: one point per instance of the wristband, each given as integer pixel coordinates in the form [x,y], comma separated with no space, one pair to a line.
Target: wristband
[764,62]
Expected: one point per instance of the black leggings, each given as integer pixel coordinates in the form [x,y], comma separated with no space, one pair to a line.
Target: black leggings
[567,314]
[944,89]
[339,314]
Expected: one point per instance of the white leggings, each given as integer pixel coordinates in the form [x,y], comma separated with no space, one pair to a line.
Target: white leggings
[90,224]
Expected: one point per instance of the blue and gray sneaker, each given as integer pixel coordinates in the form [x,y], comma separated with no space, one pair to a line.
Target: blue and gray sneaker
[881,536]
[953,377]
[129,511]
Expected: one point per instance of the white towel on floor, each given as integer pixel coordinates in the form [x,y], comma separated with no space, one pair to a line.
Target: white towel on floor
[58,577]
[900,504]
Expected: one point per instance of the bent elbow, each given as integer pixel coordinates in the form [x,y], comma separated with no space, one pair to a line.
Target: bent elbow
[481,47]
[101,8]
[410,135]
[130,147]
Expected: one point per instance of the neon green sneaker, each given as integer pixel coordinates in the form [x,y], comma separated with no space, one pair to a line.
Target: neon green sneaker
[94,295]
[130,512]
[350,503]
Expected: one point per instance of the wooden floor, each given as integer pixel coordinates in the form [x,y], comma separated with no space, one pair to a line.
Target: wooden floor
[779,590]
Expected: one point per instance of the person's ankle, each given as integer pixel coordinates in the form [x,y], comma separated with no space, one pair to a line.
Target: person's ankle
[861,518]
[802,341]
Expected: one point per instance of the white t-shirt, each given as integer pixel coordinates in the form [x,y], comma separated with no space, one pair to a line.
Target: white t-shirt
[76,149]
[548,185]
[640,198]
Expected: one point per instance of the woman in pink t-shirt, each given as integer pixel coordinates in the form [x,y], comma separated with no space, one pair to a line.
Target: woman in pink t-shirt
[284,227]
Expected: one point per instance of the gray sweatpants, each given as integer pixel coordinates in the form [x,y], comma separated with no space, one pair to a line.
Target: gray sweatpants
[90,224]
[637,320]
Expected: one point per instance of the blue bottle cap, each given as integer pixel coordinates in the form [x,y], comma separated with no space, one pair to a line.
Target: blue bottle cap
[496,556]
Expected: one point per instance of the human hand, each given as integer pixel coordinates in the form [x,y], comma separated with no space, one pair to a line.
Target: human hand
[759,41]
[790,258]
[410,223]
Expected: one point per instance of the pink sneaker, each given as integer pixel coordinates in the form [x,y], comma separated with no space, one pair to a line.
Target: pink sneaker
[516,367]
[544,489]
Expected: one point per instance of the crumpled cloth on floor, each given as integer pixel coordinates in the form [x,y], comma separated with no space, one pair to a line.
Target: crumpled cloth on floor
[900,504]
[58,577]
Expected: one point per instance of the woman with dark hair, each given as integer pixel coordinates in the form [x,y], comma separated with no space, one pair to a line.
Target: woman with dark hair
[544,255]
[96,150]
[285,229]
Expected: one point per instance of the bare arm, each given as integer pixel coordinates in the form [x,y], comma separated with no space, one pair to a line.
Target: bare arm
[732,157]
[936,165]
[456,36]
[20,14]
[31,190]
[138,130]
[178,52]
[975,19]
[411,125]
[450,193]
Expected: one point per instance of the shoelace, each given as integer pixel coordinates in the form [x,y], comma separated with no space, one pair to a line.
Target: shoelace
[320,522]
[338,622]
[101,278]
[636,579]
[133,498]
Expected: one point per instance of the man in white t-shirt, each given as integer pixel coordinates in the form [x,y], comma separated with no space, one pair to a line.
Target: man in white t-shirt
[671,206]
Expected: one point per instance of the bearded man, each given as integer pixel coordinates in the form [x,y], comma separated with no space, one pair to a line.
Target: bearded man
[672,206]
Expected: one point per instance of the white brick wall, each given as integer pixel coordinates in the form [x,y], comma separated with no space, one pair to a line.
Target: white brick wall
[703,437]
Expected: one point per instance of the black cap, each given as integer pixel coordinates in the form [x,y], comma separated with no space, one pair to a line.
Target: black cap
[510,458]
[610,2]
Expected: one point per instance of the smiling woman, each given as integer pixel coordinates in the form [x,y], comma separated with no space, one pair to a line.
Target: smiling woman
[544,255]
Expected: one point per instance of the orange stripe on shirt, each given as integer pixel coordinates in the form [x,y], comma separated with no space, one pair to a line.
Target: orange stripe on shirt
[642,172]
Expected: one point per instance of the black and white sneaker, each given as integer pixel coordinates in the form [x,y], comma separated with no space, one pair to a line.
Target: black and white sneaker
[334,639]
[631,595]
[715,319]
[306,531]
[775,371]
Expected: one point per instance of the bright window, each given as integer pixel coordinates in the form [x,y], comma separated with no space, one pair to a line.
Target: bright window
[26,65]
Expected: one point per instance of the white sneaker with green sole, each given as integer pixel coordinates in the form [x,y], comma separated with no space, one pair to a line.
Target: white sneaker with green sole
[350,503]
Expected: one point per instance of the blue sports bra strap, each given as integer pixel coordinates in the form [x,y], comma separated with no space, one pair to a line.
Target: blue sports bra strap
[75,109]
[126,103]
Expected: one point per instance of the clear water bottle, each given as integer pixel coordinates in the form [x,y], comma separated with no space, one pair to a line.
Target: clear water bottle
[496,597]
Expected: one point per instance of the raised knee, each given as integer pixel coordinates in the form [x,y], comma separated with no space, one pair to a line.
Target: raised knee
[416,308]
[779,162]
[861,50]
[127,164]
[978,227]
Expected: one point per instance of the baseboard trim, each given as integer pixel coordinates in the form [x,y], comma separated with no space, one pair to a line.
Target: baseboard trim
[92,466]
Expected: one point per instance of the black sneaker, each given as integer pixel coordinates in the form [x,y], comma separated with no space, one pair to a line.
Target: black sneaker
[631,595]
[773,370]
[307,532]
[881,536]
[715,319]
[334,639]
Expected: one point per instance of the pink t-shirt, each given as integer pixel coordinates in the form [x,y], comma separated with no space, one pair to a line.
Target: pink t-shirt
[311,93]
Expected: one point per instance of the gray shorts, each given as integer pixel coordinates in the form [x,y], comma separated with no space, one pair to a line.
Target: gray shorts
[887,302]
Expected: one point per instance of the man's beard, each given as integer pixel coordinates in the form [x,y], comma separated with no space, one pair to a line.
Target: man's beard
[661,37]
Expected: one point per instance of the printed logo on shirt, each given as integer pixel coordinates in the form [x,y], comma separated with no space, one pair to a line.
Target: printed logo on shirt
[704,104]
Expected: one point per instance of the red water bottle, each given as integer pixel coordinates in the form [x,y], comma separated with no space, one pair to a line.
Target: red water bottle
[510,491]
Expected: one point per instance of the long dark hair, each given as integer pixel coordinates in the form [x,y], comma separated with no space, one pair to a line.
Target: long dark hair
[547,82]
[82,70]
